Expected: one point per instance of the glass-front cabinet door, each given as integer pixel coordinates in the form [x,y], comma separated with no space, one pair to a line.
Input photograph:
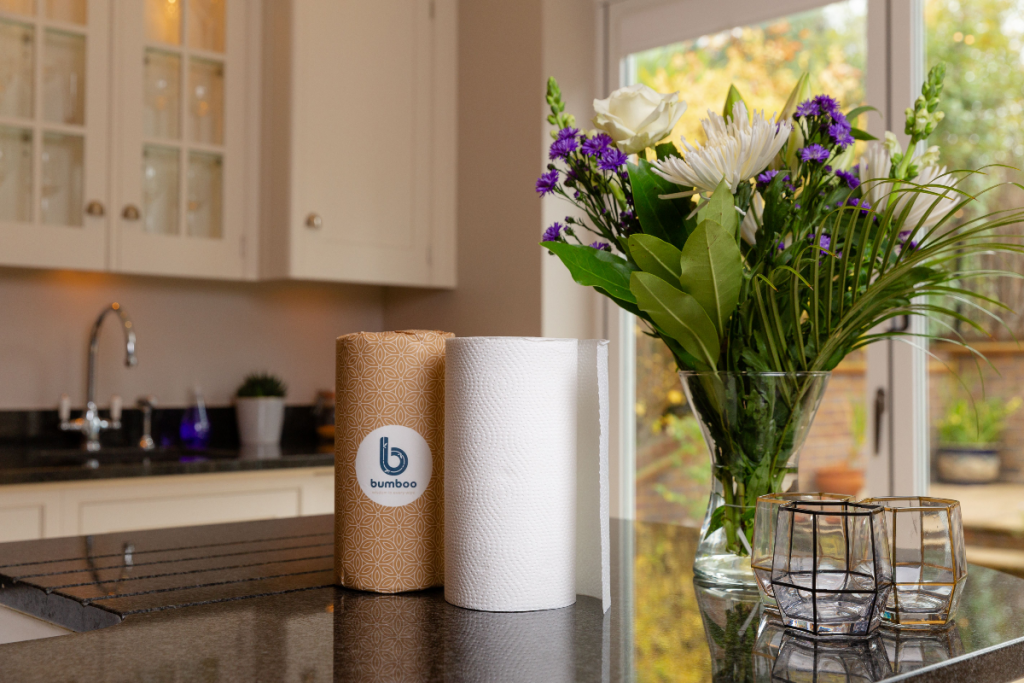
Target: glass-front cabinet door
[182,129]
[54,106]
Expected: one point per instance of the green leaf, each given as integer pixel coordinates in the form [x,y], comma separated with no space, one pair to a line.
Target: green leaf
[624,305]
[859,134]
[711,271]
[715,523]
[801,91]
[595,268]
[666,149]
[679,315]
[857,111]
[656,256]
[731,99]
[720,209]
[663,218]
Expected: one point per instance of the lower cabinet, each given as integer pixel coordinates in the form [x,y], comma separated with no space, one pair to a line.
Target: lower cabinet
[31,511]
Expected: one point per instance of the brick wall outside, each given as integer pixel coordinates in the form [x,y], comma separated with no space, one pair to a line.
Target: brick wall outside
[831,440]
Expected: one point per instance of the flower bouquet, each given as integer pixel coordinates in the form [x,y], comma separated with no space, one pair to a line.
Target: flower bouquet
[761,258]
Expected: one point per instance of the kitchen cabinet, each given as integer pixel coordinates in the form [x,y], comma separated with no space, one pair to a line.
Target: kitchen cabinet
[123,135]
[31,511]
[181,153]
[54,146]
[232,139]
[359,141]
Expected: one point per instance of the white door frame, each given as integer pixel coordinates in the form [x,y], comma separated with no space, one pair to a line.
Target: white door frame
[898,455]
[895,58]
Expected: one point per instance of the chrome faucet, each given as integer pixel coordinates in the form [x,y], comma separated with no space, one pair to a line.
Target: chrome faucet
[90,424]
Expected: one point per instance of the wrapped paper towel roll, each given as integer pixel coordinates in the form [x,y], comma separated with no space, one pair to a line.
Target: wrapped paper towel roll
[526,425]
[389,461]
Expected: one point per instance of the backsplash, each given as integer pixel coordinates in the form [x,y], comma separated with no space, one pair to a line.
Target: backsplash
[40,429]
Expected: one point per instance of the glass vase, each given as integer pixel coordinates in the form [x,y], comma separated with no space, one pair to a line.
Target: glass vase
[754,424]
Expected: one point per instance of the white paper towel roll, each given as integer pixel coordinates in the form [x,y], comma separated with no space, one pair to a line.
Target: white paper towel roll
[512,415]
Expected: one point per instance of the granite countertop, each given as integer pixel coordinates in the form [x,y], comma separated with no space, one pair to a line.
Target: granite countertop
[27,466]
[253,602]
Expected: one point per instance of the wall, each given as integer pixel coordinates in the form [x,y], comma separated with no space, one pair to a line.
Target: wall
[189,332]
[570,55]
[500,85]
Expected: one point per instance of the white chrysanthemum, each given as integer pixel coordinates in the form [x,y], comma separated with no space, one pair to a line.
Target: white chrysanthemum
[748,228]
[875,166]
[735,151]
[938,180]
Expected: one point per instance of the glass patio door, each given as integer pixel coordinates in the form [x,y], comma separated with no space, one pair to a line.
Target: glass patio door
[764,60]
[975,417]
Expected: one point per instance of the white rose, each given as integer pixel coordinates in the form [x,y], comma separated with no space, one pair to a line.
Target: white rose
[637,117]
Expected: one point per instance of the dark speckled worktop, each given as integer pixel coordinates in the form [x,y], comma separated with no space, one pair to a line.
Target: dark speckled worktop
[34,450]
[253,602]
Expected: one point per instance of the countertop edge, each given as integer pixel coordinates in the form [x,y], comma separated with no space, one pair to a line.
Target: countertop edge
[990,665]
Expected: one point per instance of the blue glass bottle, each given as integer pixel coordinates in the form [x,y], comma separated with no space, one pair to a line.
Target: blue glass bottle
[195,426]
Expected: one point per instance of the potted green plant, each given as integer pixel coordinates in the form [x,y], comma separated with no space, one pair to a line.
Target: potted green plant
[259,408]
[969,439]
[848,476]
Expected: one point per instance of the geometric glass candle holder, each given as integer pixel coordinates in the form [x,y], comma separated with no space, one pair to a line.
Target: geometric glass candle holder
[926,546]
[831,573]
[765,516]
[803,659]
[909,650]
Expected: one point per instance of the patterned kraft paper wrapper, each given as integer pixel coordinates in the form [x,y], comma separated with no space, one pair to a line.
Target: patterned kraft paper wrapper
[389,378]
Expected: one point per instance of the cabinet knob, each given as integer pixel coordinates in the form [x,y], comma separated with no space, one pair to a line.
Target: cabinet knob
[314,221]
[95,208]
[131,212]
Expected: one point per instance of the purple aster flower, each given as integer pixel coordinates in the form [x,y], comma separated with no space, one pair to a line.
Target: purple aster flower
[827,105]
[852,181]
[562,148]
[765,179]
[862,203]
[807,108]
[782,246]
[601,246]
[611,159]
[553,233]
[568,133]
[823,243]
[840,134]
[903,237]
[597,144]
[815,153]
[547,183]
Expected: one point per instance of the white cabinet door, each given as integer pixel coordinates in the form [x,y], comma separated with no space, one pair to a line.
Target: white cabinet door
[181,124]
[359,128]
[54,108]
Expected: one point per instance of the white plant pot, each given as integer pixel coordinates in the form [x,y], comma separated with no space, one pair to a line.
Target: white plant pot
[260,420]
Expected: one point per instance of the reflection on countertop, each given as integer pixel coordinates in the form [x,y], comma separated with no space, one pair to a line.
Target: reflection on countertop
[662,627]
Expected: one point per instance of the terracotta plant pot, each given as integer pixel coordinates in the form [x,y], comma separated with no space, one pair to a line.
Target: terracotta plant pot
[968,463]
[840,479]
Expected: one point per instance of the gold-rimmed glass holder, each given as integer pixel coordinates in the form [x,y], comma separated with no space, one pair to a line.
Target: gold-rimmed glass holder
[926,546]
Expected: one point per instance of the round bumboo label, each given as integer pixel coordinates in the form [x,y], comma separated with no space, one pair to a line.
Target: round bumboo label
[393,465]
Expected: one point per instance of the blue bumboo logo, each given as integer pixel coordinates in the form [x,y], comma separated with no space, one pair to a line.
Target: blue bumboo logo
[385,464]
